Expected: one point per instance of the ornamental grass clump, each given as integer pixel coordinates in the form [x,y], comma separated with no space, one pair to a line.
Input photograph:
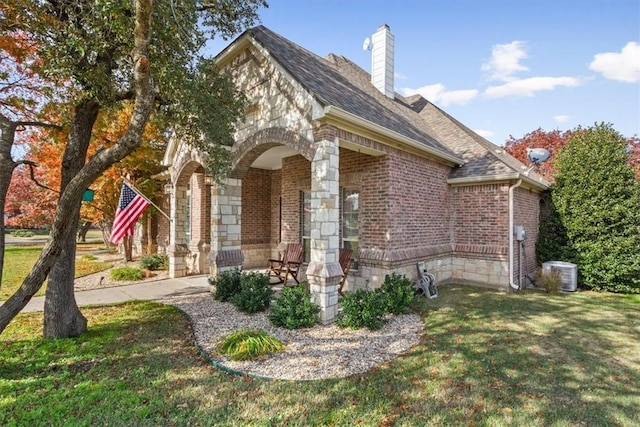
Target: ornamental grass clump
[249,345]
[126,274]
[294,309]
[550,281]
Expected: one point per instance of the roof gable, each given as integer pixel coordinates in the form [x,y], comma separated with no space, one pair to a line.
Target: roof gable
[337,82]
[345,90]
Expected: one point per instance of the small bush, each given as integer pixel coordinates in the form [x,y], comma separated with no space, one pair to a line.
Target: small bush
[294,309]
[249,345]
[255,293]
[227,284]
[89,257]
[154,262]
[126,274]
[363,309]
[22,233]
[398,293]
[550,281]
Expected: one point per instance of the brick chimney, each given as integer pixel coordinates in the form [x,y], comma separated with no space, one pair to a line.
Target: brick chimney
[382,54]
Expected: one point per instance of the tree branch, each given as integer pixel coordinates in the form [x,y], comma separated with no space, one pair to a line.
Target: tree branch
[33,165]
[39,124]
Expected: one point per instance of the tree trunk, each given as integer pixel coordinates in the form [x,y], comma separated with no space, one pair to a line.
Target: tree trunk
[71,197]
[127,246]
[62,317]
[85,226]
[7,135]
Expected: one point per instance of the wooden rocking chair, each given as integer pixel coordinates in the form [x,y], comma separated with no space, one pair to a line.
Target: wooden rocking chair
[345,262]
[289,265]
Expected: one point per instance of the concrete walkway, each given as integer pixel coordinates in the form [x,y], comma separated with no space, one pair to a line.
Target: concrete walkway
[141,291]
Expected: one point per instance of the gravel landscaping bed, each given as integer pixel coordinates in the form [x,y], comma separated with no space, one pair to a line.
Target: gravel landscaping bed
[314,353]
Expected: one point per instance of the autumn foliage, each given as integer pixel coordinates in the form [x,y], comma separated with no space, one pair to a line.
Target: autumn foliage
[32,206]
[553,141]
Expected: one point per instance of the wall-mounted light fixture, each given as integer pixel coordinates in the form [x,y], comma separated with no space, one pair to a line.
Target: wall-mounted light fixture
[209,180]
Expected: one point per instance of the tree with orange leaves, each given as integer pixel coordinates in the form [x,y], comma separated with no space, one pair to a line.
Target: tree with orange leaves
[107,55]
[553,141]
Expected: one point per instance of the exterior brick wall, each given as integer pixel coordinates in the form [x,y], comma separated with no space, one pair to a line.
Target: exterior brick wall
[481,218]
[256,212]
[256,217]
[527,213]
[296,177]
[419,202]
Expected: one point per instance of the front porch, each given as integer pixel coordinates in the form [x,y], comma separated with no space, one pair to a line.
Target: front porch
[273,196]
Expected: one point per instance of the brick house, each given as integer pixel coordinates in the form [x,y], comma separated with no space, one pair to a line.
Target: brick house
[330,156]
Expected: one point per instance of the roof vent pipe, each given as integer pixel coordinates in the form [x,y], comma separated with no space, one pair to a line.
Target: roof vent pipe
[382,53]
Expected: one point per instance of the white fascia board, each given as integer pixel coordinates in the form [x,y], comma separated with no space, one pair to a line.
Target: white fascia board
[332,112]
[497,178]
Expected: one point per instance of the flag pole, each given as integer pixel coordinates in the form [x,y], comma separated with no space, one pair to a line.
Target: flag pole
[144,197]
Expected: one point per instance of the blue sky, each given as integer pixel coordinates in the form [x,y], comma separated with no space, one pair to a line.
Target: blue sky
[501,67]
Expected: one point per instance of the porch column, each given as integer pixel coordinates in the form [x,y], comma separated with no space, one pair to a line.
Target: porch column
[324,272]
[178,249]
[199,245]
[226,213]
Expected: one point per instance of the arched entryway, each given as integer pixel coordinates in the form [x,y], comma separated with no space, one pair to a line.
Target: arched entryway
[258,197]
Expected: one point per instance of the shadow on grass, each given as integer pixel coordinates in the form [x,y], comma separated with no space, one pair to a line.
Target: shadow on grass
[486,358]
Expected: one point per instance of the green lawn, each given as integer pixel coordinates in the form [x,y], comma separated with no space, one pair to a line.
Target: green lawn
[486,359]
[19,260]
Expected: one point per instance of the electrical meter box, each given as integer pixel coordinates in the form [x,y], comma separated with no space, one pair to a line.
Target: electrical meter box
[520,233]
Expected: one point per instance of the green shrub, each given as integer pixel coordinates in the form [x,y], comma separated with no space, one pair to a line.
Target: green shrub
[126,274]
[22,233]
[550,281]
[89,257]
[363,309]
[398,292]
[294,309]
[597,195]
[154,262]
[249,345]
[227,284]
[255,293]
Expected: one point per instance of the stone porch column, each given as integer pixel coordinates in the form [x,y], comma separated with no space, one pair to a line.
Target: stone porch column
[324,272]
[226,214]
[200,234]
[177,248]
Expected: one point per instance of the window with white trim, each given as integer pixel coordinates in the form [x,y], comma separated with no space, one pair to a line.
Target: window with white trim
[305,223]
[349,232]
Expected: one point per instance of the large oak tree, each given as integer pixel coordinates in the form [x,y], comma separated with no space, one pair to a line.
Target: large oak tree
[113,54]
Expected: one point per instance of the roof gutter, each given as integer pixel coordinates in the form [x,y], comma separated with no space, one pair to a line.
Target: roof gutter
[497,178]
[338,114]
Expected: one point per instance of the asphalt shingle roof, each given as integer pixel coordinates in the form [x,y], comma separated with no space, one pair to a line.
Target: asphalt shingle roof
[337,81]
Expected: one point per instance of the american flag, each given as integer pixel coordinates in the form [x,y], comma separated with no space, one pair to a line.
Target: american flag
[130,208]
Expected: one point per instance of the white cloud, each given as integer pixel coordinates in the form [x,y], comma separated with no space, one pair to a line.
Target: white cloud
[505,61]
[484,133]
[623,66]
[399,76]
[438,94]
[561,118]
[528,87]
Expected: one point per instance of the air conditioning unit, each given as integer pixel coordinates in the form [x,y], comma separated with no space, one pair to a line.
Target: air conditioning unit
[568,273]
